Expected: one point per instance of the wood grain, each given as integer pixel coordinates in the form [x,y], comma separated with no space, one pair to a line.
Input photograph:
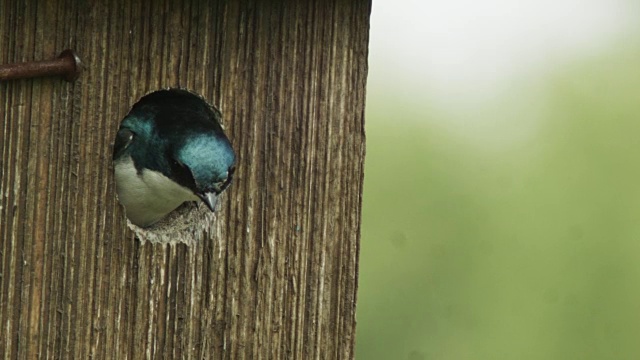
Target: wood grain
[276,276]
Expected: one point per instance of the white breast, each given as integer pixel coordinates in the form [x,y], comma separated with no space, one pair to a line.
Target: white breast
[150,196]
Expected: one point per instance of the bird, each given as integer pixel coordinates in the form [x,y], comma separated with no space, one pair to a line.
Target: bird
[170,148]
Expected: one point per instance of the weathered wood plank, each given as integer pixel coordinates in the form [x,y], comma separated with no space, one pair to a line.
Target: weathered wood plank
[275,275]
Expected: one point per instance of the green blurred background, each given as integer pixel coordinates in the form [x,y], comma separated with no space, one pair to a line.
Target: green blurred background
[502,185]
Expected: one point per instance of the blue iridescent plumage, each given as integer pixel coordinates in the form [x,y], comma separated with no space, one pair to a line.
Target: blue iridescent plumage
[170,148]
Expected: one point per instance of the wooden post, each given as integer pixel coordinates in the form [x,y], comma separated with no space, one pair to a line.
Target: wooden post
[275,276]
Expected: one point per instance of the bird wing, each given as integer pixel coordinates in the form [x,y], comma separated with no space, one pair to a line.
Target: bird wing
[123,140]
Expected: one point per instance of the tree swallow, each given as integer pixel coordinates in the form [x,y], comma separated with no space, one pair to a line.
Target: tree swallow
[169,149]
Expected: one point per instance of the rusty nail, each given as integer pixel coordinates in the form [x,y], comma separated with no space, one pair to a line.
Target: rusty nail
[67,65]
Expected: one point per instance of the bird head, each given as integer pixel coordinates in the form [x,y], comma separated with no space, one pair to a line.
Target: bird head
[204,164]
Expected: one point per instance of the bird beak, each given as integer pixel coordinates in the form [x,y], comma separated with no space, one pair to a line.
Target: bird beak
[210,199]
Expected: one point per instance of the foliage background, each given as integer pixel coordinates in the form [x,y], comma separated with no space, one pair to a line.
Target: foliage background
[502,183]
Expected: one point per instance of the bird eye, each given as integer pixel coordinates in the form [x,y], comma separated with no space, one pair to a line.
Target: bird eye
[221,185]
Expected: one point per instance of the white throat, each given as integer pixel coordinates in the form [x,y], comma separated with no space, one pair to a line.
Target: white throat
[150,196]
